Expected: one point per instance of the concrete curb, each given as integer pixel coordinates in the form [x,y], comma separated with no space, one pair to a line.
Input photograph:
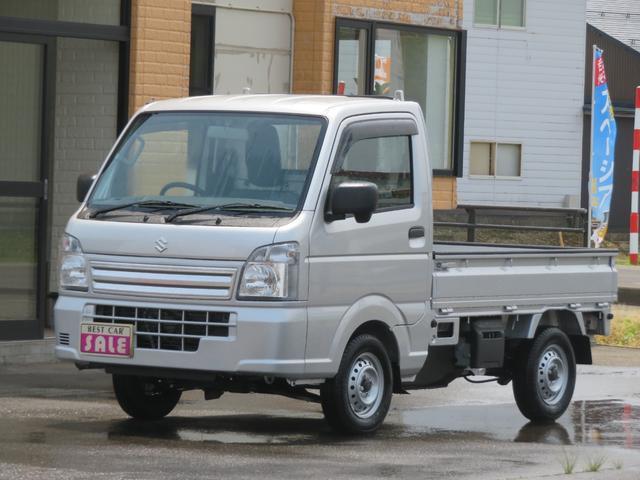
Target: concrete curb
[27,352]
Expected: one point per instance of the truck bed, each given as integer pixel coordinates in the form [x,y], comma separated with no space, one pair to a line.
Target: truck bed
[475,279]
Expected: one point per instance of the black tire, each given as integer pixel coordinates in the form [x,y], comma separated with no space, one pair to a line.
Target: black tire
[544,376]
[364,360]
[145,398]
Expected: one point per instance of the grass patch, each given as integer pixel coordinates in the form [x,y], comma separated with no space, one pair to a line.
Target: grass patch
[594,464]
[568,462]
[625,328]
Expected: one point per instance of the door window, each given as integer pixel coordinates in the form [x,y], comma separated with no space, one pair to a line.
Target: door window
[385,161]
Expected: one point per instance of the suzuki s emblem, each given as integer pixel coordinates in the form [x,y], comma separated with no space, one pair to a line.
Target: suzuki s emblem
[161,244]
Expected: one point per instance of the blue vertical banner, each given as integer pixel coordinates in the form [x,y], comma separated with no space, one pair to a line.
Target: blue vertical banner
[603,146]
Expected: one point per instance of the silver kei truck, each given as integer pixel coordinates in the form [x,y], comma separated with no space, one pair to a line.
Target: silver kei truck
[283,245]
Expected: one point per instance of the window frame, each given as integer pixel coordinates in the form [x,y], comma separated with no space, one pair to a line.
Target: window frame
[494,160]
[372,129]
[498,25]
[459,76]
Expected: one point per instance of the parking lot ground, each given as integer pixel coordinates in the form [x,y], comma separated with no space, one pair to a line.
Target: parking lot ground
[57,422]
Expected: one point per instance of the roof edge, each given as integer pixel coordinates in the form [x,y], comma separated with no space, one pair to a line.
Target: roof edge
[629,48]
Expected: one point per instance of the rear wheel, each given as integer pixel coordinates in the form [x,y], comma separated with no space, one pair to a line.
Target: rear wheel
[545,376]
[145,398]
[357,399]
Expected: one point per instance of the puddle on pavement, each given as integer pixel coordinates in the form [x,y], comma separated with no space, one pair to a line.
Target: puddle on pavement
[606,423]
[227,429]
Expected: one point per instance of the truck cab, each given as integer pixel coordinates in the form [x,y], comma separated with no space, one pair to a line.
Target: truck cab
[283,244]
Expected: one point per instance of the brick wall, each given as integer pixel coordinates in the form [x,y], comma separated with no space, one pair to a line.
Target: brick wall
[160,46]
[314,46]
[444,193]
[85,124]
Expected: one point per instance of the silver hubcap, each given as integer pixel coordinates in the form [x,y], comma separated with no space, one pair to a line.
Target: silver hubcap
[366,385]
[553,375]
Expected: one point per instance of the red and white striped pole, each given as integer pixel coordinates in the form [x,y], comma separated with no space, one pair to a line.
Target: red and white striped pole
[635,183]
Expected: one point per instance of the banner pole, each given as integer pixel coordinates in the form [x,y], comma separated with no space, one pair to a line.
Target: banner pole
[635,183]
[593,116]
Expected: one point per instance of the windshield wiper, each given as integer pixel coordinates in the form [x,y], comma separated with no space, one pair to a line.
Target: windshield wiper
[227,206]
[160,204]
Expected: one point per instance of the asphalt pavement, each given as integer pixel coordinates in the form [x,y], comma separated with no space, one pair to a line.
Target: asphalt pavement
[57,422]
[628,276]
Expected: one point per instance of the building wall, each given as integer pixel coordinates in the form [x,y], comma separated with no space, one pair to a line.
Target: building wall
[160,46]
[314,46]
[526,86]
[85,124]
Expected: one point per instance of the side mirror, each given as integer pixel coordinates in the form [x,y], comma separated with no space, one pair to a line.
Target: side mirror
[359,199]
[84,185]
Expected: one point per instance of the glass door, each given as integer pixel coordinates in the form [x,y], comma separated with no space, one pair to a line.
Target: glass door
[23,185]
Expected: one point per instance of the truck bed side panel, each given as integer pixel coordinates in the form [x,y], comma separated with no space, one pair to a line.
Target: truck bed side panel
[494,280]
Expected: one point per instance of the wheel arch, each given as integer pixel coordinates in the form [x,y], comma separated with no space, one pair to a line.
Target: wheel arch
[527,327]
[375,315]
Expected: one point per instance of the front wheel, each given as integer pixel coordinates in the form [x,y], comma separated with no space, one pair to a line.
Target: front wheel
[145,398]
[545,376]
[358,398]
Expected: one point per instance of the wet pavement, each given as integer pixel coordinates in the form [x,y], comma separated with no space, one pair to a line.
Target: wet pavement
[56,422]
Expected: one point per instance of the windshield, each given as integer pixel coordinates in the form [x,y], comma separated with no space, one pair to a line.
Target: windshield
[211,159]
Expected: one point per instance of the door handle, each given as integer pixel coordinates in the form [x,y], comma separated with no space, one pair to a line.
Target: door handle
[416,232]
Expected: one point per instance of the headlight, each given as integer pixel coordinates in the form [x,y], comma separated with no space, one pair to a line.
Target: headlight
[271,272]
[73,267]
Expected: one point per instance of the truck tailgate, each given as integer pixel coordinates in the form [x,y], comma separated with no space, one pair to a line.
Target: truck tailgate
[491,280]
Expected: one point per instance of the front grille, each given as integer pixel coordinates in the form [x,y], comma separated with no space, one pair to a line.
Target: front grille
[63,338]
[166,281]
[166,329]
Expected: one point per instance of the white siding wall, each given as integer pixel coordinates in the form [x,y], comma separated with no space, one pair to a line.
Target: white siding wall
[527,86]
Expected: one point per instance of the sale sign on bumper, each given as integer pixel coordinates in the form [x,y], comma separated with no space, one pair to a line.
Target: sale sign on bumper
[106,339]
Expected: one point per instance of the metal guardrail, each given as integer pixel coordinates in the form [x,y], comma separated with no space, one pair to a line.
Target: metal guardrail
[574,216]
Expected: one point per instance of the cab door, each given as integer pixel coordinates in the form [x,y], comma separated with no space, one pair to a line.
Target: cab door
[385,262]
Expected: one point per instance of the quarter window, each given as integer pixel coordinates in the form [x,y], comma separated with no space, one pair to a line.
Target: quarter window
[385,161]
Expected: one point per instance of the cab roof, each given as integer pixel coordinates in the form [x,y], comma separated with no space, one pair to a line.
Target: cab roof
[319,105]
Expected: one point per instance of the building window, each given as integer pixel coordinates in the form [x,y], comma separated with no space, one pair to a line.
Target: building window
[202,38]
[495,159]
[236,48]
[375,58]
[352,63]
[500,13]
[385,161]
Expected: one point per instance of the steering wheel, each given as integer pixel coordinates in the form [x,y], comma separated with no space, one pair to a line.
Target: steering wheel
[197,190]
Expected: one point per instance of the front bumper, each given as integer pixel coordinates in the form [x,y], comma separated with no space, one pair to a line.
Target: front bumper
[265,339]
